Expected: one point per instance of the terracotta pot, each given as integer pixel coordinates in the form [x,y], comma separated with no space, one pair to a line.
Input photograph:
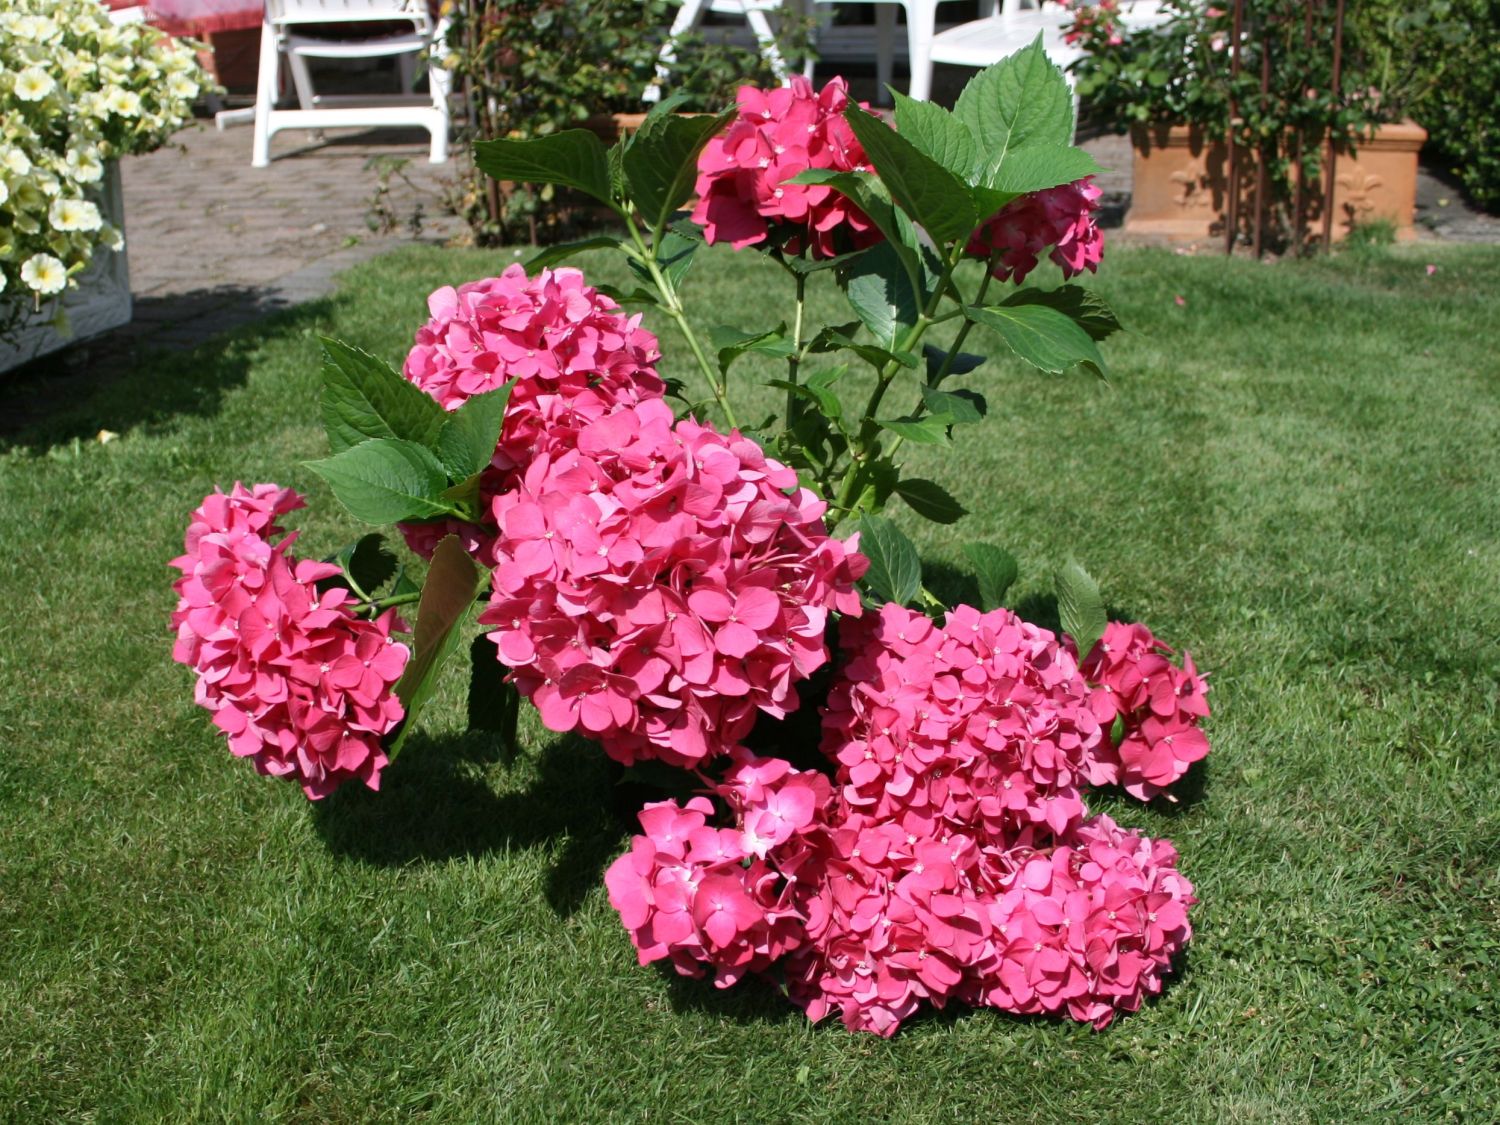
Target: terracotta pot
[1181,191]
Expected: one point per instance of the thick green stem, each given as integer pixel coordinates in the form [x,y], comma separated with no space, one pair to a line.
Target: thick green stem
[794,361]
[963,329]
[374,606]
[672,306]
[869,430]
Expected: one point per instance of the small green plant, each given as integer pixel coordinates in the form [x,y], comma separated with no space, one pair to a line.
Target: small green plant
[1371,236]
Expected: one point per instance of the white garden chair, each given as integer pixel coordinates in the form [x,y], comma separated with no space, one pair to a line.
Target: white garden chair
[757,13]
[1014,25]
[412,32]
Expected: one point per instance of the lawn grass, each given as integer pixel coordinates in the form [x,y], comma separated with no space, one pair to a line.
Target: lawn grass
[1296,475]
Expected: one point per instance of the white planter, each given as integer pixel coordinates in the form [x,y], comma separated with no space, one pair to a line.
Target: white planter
[100,302]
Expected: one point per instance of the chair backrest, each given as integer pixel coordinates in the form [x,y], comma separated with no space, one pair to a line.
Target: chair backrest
[345,11]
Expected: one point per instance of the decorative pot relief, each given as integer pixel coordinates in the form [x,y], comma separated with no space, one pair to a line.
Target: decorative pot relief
[1357,190]
[1191,189]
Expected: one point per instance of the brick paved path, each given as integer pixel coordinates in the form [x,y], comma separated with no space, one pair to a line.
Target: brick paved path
[214,243]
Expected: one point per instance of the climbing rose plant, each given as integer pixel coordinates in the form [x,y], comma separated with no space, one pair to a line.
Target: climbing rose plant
[667,580]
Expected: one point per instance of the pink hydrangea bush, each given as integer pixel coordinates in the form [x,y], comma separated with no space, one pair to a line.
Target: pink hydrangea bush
[949,860]
[660,583]
[743,188]
[1160,707]
[1061,218]
[573,355]
[299,684]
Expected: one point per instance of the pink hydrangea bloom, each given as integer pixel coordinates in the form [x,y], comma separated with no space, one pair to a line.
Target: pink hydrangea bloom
[1061,218]
[660,583]
[693,893]
[870,918]
[299,684]
[983,723]
[573,355]
[744,196]
[1160,706]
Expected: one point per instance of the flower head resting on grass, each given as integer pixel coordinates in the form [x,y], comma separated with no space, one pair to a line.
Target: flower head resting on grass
[660,582]
[301,686]
[743,188]
[1159,704]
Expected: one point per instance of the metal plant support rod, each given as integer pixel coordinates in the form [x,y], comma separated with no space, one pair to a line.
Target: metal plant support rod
[1333,156]
[1232,217]
[1261,149]
[1299,206]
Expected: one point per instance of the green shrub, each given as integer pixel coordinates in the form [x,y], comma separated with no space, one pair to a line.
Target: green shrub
[1436,62]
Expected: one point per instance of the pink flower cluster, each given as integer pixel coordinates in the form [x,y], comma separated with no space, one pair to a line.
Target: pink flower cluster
[1061,217]
[574,358]
[950,859]
[744,196]
[1159,704]
[700,895]
[302,687]
[1095,22]
[657,583]
[984,723]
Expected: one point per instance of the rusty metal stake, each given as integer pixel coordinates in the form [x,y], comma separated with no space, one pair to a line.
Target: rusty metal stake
[1232,217]
[1262,148]
[1299,206]
[1333,156]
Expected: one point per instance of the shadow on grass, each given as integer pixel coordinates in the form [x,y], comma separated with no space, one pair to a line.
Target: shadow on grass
[178,356]
[753,1000]
[435,804]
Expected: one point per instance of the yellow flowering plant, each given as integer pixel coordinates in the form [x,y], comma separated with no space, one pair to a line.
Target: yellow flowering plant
[76,91]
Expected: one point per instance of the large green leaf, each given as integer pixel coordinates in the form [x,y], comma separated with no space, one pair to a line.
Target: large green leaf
[882,294]
[1021,100]
[895,573]
[1034,167]
[661,160]
[562,251]
[933,196]
[937,133]
[447,595]
[871,196]
[927,430]
[574,158]
[930,499]
[731,343]
[1042,336]
[469,436]
[383,480]
[364,398]
[956,408]
[996,570]
[1080,607]
[1083,306]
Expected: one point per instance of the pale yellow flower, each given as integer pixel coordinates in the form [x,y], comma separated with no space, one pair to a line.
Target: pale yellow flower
[33,84]
[45,274]
[74,214]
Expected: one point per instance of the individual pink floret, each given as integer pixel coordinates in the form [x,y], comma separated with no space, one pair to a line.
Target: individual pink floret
[299,684]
